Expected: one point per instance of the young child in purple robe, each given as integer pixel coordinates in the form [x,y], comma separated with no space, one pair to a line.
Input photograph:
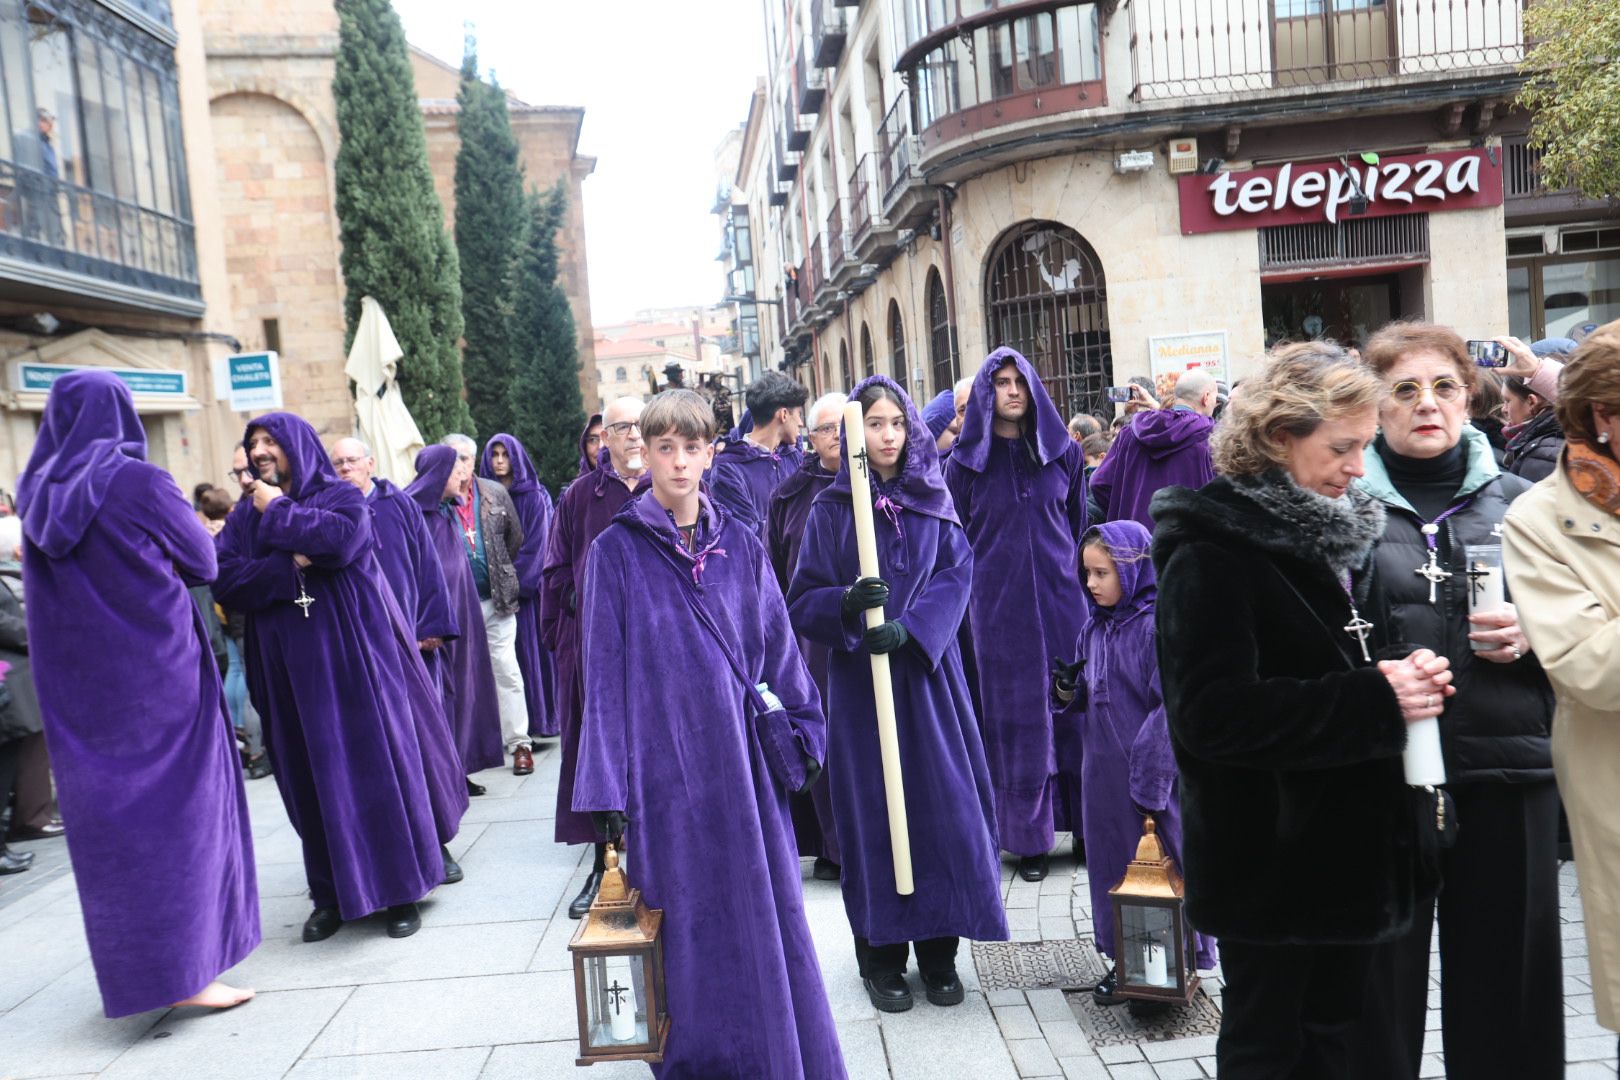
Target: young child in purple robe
[1129,770]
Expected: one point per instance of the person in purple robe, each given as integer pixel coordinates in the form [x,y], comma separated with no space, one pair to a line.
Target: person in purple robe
[1019,485]
[584,510]
[749,468]
[465,671]
[1159,448]
[328,655]
[944,423]
[590,443]
[813,822]
[507,462]
[411,567]
[1129,770]
[700,718]
[133,711]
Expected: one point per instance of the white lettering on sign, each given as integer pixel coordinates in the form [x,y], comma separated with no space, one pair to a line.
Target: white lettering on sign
[1333,187]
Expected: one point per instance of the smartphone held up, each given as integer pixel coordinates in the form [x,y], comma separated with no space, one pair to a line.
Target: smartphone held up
[1487,354]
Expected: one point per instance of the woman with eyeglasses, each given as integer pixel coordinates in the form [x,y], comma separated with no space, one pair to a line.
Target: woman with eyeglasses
[1445,499]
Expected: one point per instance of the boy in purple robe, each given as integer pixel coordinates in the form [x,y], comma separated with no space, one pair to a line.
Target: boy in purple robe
[813,823]
[1159,448]
[1129,770]
[1018,481]
[507,462]
[465,671]
[327,654]
[700,718]
[748,469]
[926,567]
[134,716]
[584,510]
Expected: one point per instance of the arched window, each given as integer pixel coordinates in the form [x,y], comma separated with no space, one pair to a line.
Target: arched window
[941,343]
[1045,296]
[619,375]
[843,367]
[868,361]
[897,346]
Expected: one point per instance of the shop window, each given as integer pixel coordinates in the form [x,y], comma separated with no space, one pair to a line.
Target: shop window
[941,341]
[1553,295]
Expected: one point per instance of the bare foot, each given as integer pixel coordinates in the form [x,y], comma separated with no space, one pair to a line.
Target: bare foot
[216,995]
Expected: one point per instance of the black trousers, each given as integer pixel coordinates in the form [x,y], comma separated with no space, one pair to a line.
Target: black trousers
[1501,956]
[10,757]
[1288,1011]
[936,956]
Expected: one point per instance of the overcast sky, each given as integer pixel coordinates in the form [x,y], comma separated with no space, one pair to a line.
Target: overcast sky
[661,84]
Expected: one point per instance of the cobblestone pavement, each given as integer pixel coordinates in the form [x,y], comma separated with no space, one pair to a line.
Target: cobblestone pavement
[485,990]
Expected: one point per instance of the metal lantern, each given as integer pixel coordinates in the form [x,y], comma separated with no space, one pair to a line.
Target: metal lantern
[1152,961]
[619,974]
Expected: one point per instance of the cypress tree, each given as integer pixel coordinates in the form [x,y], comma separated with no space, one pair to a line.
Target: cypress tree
[547,407]
[390,220]
[490,215]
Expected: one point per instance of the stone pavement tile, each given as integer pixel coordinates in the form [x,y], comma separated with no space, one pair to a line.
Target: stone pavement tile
[1119,1055]
[1083,1068]
[1583,1027]
[964,1035]
[1017,1022]
[1025,918]
[464,1064]
[1179,1070]
[56,897]
[1208,1064]
[1060,928]
[1591,1048]
[510,878]
[280,846]
[1431,1020]
[51,944]
[61,1029]
[465,839]
[1589,1070]
[1433,1042]
[864,1058]
[262,1039]
[538,810]
[1573,984]
[1578,965]
[997,998]
[1023,895]
[1031,1057]
[445,1013]
[1581,1003]
[1052,905]
[1065,1038]
[1176,1049]
[1024,935]
[547,1060]
[1135,1071]
[1049,1005]
[282,879]
[1431,1066]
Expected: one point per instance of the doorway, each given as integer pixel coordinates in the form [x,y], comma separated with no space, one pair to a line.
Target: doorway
[1346,310]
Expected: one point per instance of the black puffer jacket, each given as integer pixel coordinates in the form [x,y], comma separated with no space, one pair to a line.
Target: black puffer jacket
[1498,727]
[21,717]
[1534,450]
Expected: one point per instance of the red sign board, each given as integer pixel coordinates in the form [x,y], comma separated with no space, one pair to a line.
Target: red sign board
[1328,191]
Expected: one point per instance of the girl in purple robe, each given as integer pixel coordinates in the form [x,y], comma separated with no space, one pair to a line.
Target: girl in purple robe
[507,462]
[1129,769]
[684,620]
[134,716]
[926,570]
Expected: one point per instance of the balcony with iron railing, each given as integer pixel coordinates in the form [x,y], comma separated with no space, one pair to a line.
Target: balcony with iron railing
[809,86]
[818,272]
[836,250]
[860,201]
[895,148]
[796,126]
[785,160]
[828,32]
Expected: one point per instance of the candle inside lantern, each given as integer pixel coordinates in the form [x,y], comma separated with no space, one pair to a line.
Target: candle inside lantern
[1485,592]
[1155,970]
[621,999]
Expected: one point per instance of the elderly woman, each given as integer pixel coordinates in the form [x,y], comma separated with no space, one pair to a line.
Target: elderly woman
[1444,499]
[1563,562]
[1304,846]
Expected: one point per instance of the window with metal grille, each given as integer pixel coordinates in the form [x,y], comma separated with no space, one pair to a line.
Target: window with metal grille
[843,366]
[1370,240]
[868,361]
[941,344]
[1045,296]
[897,345]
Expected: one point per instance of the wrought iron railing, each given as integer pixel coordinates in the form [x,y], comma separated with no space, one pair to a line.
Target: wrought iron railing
[895,147]
[818,273]
[835,236]
[860,206]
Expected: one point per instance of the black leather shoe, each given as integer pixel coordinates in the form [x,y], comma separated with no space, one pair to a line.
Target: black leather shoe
[258,768]
[944,988]
[475,789]
[322,923]
[15,862]
[403,920]
[582,902]
[48,831]
[889,993]
[826,870]
[1106,993]
[452,869]
[1033,867]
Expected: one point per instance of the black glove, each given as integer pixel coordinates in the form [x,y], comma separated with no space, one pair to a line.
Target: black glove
[573,598]
[1065,678]
[867,592]
[885,637]
[812,773]
[609,823]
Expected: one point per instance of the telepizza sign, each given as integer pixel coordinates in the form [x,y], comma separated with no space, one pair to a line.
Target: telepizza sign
[1330,191]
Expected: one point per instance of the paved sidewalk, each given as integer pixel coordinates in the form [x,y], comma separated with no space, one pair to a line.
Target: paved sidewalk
[484,991]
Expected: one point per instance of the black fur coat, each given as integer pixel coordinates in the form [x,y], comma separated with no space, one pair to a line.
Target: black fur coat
[1300,828]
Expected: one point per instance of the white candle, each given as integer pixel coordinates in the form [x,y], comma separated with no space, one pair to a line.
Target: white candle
[1484,585]
[621,999]
[1425,764]
[1155,970]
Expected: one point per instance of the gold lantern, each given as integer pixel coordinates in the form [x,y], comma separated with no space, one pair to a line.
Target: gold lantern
[1152,960]
[619,974]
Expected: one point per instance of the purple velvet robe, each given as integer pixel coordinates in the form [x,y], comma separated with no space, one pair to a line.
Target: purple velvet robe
[465,670]
[669,738]
[939,412]
[585,509]
[134,716]
[1130,769]
[813,823]
[1159,448]
[416,579]
[587,463]
[925,558]
[331,682]
[744,476]
[1023,504]
[533,503]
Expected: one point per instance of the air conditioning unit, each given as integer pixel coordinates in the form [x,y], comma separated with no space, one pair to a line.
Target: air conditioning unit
[1183,155]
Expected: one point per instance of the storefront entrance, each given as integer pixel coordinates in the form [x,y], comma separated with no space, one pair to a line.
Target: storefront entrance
[1553,295]
[1342,309]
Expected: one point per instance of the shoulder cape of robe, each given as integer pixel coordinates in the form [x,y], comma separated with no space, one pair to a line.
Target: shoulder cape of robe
[533,504]
[744,476]
[1159,448]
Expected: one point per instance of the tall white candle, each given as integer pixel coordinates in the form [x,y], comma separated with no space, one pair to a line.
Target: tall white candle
[621,1003]
[1156,971]
[1425,764]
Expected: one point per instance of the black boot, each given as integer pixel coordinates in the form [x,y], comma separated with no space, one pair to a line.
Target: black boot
[475,789]
[322,923]
[943,987]
[1033,867]
[452,869]
[825,870]
[889,993]
[1107,992]
[582,902]
[403,920]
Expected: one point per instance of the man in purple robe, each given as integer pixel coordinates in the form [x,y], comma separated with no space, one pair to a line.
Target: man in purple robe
[463,666]
[584,511]
[1159,448]
[416,580]
[1019,485]
[747,470]
[699,719]
[590,444]
[327,654]
[813,824]
[146,766]
[506,462]
[926,566]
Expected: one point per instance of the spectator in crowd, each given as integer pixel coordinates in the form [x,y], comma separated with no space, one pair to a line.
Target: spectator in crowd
[1485,408]
[1159,448]
[20,722]
[590,443]
[1535,439]
[1083,426]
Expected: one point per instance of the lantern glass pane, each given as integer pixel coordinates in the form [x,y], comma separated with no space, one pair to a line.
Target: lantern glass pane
[615,1001]
[1148,951]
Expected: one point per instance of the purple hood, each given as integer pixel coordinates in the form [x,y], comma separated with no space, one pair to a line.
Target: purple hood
[523,474]
[585,463]
[434,464]
[1044,428]
[88,433]
[1130,544]
[922,485]
[939,412]
[306,458]
[1162,432]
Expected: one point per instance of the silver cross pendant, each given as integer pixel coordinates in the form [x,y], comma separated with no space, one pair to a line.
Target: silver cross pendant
[1434,573]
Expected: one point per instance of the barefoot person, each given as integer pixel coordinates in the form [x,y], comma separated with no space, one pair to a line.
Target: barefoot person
[145,763]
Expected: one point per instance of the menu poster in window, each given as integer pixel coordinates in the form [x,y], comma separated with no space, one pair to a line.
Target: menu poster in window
[1171,354]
